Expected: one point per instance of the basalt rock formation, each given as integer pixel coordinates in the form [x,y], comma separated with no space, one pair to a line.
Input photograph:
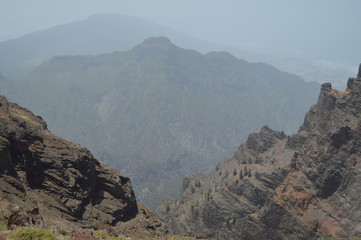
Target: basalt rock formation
[304,186]
[49,182]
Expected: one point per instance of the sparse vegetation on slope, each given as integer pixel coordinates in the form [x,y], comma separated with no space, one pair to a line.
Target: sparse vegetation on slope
[305,187]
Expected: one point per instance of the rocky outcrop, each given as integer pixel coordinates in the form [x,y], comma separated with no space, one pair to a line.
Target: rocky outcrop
[359,72]
[260,142]
[223,202]
[50,182]
[306,185]
[321,190]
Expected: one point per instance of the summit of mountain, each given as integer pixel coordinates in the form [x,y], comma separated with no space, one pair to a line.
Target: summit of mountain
[303,186]
[97,34]
[109,32]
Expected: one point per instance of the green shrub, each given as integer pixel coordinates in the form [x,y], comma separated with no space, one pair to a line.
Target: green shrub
[225,175]
[102,234]
[207,195]
[99,234]
[63,232]
[197,184]
[32,234]
[240,174]
[259,160]
[3,228]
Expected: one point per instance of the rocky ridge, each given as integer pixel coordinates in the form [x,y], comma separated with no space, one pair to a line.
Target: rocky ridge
[48,182]
[303,186]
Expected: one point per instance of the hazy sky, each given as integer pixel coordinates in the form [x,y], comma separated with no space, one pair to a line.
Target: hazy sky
[319,29]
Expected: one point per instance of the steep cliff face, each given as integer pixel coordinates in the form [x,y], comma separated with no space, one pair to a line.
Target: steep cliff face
[276,187]
[227,202]
[50,182]
[322,190]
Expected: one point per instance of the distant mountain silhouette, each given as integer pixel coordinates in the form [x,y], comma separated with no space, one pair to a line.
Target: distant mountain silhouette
[160,112]
[102,33]
[106,33]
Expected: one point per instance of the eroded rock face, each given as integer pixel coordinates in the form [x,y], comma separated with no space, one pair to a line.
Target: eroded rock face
[46,180]
[262,141]
[326,168]
[224,203]
[306,186]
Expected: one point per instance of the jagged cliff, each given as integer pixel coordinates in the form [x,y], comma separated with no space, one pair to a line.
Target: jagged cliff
[275,186]
[46,181]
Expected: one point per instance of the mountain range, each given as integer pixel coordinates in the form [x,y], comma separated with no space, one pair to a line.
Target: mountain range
[275,186]
[97,34]
[106,33]
[159,112]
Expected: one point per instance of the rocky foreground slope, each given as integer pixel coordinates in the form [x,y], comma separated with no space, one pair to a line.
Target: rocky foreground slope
[51,183]
[304,186]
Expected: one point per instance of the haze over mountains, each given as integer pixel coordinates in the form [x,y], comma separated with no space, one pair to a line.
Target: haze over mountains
[159,112]
[102,33]
[105,33]
[164,95]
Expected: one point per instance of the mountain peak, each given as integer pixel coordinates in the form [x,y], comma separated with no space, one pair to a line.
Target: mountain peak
[355,83]
[157,40]
[155,47]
